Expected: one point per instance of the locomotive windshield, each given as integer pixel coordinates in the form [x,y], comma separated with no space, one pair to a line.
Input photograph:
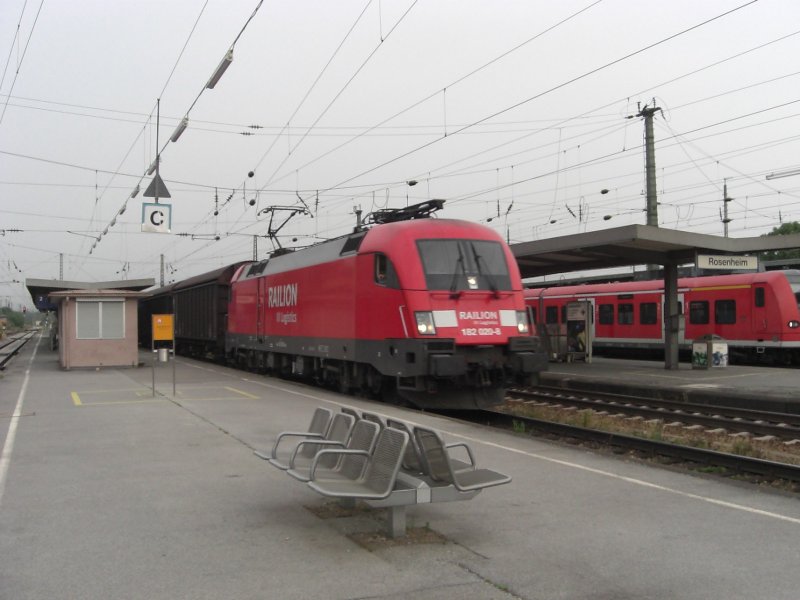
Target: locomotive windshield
[456,265]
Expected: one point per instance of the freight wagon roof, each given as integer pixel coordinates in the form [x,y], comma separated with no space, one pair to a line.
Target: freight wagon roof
[222,275]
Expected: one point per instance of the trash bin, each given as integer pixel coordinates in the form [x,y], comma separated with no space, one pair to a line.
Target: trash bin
[163,355]
[709,351]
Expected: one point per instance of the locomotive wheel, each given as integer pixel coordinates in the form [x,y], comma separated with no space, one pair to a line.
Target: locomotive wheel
[374,384]
[345,379]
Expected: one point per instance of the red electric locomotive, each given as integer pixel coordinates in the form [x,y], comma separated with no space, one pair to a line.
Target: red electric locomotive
[756,313]
[430,309]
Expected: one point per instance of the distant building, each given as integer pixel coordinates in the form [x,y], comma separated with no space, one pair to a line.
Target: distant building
[97,328]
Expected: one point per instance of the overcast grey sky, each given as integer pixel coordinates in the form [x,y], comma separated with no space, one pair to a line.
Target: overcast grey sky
[517,114]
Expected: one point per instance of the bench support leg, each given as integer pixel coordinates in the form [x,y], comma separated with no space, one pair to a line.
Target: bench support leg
[397,521]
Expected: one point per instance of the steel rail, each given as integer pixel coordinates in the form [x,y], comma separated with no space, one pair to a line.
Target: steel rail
[10,349]
[781,425]
[734,462]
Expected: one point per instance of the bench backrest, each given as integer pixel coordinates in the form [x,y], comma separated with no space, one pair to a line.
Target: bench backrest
[351,411]
[374,418]
[440,466]
[363,437]
[339,431]
[434,454]
[320,421]
[385,460]
[412,461]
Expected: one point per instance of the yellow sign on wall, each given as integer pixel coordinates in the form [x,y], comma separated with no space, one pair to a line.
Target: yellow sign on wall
[163,329]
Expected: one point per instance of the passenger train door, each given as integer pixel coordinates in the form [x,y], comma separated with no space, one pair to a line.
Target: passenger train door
[760,314]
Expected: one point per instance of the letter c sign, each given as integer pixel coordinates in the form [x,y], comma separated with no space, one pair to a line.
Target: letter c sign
[156,218]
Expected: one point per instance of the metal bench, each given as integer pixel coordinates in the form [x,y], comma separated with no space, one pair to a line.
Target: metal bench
[377,480]
[377,483]
[306,449]
[390,464]
[320,422]
[440,466]
[344,466]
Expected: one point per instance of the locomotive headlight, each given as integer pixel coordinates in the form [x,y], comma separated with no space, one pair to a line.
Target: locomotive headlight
[425,324]
[522,321]
[794,324]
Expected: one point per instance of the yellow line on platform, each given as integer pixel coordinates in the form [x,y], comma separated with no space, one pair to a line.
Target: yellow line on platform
[114,402]
[76,400]
[245,394]
[114,391]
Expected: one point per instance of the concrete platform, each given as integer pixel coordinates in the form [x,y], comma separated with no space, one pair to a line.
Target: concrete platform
[109,492]
[776,389]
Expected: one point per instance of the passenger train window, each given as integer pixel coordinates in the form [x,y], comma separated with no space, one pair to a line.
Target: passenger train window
[551,315]
[725,312]
[648,313]
[384,272]
[564,314]
[605,314]
[698,312]
[759,297]
[625,314]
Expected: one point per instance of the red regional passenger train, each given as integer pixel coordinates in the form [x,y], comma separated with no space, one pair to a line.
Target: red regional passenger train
[429,309]
[756,313]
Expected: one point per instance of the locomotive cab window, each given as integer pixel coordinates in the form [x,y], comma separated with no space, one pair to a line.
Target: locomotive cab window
[384,272]
[457,265]
[551,315]
[725,312]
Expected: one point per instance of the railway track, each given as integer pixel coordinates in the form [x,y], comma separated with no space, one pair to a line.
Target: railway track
[11,345]
[756,469]
[733,420]
[742,456]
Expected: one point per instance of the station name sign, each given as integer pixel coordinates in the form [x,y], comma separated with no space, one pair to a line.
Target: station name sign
[727,263]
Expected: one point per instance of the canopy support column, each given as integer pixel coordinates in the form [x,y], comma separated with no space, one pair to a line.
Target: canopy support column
[672,318]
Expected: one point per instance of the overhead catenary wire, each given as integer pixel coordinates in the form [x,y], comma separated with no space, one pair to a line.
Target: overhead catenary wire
[159,151]
[550,90]
[331,200]
[22,58]
[784,37]
[451,84]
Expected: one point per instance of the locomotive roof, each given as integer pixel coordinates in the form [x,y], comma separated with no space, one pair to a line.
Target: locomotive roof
[375,239]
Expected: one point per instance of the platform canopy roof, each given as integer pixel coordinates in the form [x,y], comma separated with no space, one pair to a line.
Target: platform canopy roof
[39,289]
[634,245]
